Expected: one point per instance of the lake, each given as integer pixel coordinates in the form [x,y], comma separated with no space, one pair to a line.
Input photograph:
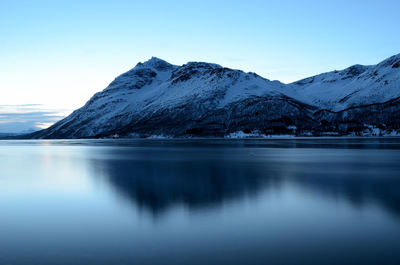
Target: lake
[271,201]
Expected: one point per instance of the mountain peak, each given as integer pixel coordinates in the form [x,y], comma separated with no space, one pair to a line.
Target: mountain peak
[156,63]
[156,60]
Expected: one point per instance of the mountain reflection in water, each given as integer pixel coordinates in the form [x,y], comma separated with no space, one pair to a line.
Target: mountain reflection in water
[201,175]
[276,201]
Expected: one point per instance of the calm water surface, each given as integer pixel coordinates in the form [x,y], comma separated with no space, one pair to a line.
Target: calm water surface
[295,201]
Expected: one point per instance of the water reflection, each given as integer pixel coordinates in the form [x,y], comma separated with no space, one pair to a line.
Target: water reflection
[184,178]
[300,201]
[358,189]
[199,177]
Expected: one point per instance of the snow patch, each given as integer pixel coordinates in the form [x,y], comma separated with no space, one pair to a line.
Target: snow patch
[243,135]
[161,136]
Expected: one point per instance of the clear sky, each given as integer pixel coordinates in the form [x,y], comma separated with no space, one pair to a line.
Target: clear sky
[57,54]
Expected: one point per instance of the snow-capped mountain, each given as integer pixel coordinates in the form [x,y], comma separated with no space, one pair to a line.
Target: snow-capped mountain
[354,86]
[204,99]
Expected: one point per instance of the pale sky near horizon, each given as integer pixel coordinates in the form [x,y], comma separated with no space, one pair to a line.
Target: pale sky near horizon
[57,54]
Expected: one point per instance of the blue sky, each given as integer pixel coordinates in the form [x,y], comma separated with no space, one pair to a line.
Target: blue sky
[59,53]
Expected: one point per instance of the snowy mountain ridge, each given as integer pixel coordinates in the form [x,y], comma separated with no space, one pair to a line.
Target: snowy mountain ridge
[353,86]
[204,99]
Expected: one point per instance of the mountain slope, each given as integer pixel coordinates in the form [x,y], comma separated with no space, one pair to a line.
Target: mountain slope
[354,86]
[203,99]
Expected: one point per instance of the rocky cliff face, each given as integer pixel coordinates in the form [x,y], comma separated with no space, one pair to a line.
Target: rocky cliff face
[203,99]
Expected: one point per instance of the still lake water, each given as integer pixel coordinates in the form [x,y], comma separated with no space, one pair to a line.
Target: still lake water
[277,201]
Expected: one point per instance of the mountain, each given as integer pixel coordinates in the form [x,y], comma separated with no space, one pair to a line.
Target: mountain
[352,87]
[156,98]
[6,135]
